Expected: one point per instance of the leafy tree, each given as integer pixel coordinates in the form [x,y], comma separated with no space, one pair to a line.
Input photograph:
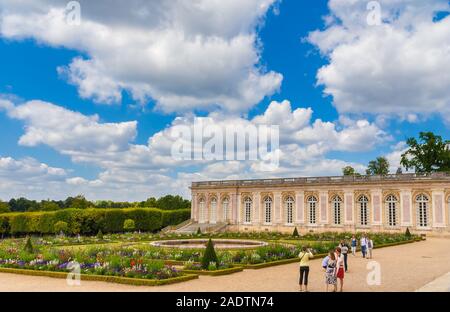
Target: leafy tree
[399,170]
[171,202]
[380,166]
[47,205]
[78,202]
[348,171]
[209,256]
[23,204]
[61,227]
[430,154]
[4,207]
[129,225]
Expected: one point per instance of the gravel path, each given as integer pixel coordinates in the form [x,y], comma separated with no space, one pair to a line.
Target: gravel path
[403,268]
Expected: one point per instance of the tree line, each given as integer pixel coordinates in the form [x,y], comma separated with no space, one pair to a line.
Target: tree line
[169,202]
[429,154]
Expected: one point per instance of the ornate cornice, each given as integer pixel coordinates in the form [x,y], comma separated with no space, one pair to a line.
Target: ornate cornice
[417,192]
[223,196]
[285,195]
[244,195]
[201,196]
[263,196]
[359,193]
[332,194]
[308,194]
[386,193]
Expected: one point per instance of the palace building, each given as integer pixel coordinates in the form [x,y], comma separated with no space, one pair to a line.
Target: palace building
[389,203]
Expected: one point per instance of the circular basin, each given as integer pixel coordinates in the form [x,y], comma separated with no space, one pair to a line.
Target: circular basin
[201,243]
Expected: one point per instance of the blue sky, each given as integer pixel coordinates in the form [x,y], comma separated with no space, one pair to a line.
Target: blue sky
[303,54]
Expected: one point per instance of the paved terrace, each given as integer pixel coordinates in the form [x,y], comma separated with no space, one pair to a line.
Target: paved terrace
[409,177]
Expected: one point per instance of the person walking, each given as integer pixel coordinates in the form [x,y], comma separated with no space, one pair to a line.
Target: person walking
[354,244]
[369,247]
[344,249]
[340,268]
[330,271]
[305,255]
[363,245]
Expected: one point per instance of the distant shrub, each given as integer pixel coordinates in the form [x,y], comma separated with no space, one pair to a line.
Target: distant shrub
[209,256]
[295,234]
[129,225]
[61,227]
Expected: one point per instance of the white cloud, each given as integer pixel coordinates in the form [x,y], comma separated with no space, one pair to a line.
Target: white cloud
[186,55]
[399,68]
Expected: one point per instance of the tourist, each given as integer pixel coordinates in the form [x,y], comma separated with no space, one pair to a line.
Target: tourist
[369,248]
[304,256]
[330,271]
[326,259]
[363,245]
[344,248]
[354,244]
[340,268]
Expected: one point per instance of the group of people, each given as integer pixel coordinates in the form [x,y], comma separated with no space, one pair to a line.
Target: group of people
[335,264]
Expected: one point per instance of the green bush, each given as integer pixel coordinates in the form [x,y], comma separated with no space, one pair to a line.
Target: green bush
[61,227]
[295,234]
[100,235]
[29,246]
[408,233]
[89,221]
[129,225]
[209,256]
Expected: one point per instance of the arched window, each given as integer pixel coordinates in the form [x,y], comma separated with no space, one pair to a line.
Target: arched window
[268,209]
[422,203]
[363,210]
[202,210]
[391,210]
[226,209]
[337,212]
[248,203]
[289,204]
[312,209]
[213,210]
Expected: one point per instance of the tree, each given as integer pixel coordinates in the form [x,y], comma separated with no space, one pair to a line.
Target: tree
[61,227]
[29,246]
[4,207]
[380,166]
[23,204]
[430,154]
[129,225]
[47,205]
[295,234]
[209,256]
[348,171]
[100,235]
[78,202]
[399,170]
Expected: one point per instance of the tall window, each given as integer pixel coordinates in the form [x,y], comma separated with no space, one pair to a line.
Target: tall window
[363,210]
[289,203]
[337,214]
[422,210]
[213,210]
[248,210]
[312,207]
[225,208]
[391,205]
[202,217]
[268,209]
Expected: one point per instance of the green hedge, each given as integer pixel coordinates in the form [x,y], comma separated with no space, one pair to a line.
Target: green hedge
[90,221]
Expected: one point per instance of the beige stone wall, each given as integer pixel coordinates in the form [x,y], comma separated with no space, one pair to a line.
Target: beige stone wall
[406,207]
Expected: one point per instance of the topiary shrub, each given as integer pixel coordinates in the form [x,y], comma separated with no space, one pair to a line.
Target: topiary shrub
[199,231]
[408,233]
[129,225]
[100,235]
[209,256]
[29,246]
[295,234]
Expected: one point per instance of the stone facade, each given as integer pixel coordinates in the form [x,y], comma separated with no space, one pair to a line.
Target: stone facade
[366,203]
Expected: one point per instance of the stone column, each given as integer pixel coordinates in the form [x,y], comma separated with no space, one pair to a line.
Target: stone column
[406,208]
[323,207]
[194,208]
[438,208]
[277,218]
[300,207]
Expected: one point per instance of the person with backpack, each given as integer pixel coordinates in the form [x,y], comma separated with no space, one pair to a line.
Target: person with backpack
[354,244]
[344,248]
[305,255]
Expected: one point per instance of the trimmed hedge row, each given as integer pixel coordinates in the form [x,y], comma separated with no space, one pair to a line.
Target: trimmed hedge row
[90,221]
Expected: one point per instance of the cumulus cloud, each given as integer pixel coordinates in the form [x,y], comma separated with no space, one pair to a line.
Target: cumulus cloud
[186,55]
[396,69]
